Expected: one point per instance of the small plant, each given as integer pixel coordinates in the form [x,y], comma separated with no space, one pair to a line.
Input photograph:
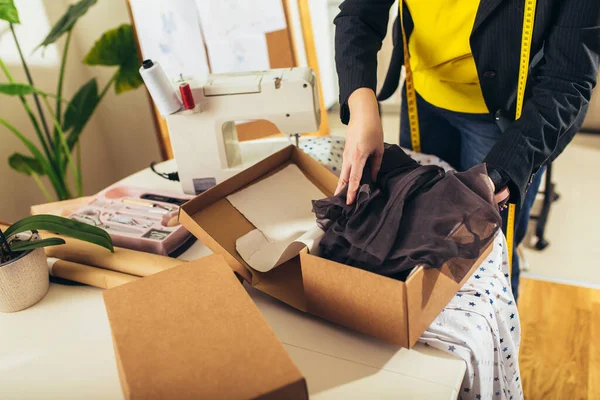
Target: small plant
[59,138]
[11,247]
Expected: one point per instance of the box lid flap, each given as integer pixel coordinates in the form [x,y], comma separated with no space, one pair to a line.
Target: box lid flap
[193,332]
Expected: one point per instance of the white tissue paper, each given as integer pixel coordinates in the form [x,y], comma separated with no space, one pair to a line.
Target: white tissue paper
[280,208]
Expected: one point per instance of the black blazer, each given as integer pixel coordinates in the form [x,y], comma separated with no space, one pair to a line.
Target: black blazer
[565,57]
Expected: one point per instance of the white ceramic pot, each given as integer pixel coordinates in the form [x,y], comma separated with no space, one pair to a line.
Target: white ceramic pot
[23,281]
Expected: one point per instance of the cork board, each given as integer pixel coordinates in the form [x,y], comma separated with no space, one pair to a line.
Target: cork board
[283,53]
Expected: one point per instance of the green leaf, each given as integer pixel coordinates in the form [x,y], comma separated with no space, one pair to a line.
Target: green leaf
[62,226]
[67,21]
[117,47]
[113,47]
[35,244]
[34,150]
[24,89]
[57,181]
[26,165]
[81,108]
[17,89]
[8,12]
[128,79]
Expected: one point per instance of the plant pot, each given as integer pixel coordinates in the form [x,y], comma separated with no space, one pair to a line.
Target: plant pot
[24,281]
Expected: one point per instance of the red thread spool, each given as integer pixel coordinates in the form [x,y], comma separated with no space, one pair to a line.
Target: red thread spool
[186,96]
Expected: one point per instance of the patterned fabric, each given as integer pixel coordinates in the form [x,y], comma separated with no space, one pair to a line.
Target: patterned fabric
[481,326]
[427,159]
[329,150]
[481,323]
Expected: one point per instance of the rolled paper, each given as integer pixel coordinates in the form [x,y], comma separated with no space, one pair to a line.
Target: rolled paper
[61,208]
[127,261]
[97,277]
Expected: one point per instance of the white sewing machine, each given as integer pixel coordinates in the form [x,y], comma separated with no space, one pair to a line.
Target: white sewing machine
[204,139]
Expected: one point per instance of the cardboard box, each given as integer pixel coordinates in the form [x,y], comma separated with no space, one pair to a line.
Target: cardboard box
[395,311]
[192,332]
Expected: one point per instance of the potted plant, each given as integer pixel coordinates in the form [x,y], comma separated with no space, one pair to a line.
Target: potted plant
[57,153]
[24,278]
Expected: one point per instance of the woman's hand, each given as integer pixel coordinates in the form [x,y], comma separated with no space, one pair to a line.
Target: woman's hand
[364,139]
[502,196]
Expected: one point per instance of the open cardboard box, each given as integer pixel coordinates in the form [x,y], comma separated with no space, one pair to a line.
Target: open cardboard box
[395,311]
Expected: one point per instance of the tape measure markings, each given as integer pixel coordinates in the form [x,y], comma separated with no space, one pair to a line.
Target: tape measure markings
[528,22]
[411,96]
[526,38]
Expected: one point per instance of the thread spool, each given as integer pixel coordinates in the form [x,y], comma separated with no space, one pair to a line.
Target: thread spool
[160,88]
[186,95]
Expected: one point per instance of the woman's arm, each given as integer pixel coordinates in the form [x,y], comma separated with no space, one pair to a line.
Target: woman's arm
[361,26]
[561,92]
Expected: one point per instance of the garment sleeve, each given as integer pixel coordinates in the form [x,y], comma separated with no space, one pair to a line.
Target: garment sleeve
[560,93]
[360,29]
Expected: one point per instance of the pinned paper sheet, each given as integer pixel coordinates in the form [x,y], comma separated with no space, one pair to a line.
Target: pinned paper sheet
[238,54]
[235,32]
[169,32]
[222,19]
[281,210]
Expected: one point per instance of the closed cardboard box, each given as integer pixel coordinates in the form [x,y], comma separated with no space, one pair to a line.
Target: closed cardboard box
[395,311]
[192,332]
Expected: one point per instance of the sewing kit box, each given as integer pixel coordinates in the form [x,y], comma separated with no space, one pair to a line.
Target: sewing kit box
[395,311]
[193,332]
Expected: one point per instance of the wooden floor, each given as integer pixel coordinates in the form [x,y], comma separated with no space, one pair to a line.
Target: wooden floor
[560,344]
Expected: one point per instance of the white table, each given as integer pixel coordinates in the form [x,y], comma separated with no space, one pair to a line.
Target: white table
[61,348]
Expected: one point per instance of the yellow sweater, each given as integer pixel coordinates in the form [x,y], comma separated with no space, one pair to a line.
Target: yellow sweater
[440,54]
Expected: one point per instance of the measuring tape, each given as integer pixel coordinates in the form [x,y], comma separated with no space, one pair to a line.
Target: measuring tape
[411,96]
[528,21]
[411,100]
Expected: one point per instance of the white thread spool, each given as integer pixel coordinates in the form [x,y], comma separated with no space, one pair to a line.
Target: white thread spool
[160,88]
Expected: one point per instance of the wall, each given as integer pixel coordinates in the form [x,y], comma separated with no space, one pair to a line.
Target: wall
[383,61]
[118,140]
[322,23]
[125,120]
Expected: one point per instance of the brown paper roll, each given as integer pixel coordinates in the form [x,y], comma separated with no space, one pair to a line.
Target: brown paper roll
[98,277]
[127,261]
[61,208]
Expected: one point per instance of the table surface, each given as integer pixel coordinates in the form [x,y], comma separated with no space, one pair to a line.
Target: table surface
[61,348]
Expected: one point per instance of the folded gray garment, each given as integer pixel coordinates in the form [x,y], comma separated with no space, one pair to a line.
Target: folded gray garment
[412,215]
